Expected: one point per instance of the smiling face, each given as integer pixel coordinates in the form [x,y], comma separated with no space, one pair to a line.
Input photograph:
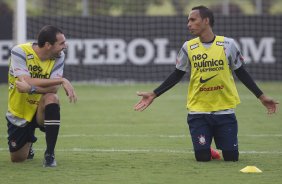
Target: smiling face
[58,46]
[196,24]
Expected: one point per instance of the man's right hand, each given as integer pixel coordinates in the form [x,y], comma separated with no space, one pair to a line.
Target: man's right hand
[270,104]
[147,99]
[22,86]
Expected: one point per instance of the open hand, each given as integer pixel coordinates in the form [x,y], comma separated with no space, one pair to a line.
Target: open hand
[147,99]
[270,104]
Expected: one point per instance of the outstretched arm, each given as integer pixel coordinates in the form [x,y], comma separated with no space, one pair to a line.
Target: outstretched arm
[172,79]
[270,104]
[148,97]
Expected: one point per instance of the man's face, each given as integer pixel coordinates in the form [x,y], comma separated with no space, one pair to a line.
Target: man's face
[196,25]
[59,45]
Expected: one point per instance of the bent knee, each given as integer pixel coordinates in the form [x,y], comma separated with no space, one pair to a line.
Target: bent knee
[18,158]
[50,98]
[203,155]
[21,154]
[231,155]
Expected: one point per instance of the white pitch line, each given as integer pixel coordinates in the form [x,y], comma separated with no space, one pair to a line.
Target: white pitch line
[159,136]
[145,135]
[113,135]
[114,150]
[125,135]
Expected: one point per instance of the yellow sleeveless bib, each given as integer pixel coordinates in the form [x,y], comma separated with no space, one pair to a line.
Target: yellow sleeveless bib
[24,105]
[211,86]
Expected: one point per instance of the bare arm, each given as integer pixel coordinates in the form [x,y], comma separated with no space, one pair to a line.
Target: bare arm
[45,86]
[41,82]
[24,87]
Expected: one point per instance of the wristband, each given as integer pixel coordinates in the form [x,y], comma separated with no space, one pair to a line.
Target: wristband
[32,90]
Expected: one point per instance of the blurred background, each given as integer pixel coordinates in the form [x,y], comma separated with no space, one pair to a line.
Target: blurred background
[137,41]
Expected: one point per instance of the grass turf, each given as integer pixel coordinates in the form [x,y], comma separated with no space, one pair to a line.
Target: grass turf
[103,140]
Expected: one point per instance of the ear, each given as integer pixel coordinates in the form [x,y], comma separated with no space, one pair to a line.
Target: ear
[207,20]
[47,45]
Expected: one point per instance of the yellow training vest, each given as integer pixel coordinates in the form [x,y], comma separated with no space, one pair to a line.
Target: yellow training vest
[24,105]
[211,86]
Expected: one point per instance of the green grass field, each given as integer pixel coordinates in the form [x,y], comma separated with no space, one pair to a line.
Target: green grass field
[103,140]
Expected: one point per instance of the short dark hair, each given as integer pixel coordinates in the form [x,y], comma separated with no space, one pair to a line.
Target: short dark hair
[48,34]
[205,13]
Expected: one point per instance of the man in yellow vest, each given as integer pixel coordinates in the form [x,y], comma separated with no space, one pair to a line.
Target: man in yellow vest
[35,75]
[212,94]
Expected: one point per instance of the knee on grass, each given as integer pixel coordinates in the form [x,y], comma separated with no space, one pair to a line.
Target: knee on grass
[203,155]
[231,155]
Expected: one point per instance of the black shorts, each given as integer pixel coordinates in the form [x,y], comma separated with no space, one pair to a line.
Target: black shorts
[19,136]
[222,127]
